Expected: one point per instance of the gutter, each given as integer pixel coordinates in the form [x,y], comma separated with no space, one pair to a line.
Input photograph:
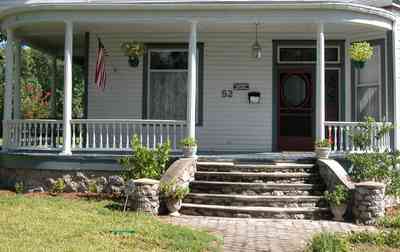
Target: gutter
[205,5]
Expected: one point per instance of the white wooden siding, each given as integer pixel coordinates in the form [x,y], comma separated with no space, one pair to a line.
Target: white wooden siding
[228,123]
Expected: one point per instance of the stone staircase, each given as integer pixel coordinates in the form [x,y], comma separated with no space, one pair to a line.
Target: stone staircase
[278,189]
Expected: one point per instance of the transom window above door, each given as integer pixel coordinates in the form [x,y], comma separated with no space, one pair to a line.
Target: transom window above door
[307,54]
[167,74]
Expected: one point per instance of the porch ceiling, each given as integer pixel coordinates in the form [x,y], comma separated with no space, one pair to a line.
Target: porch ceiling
[50,36]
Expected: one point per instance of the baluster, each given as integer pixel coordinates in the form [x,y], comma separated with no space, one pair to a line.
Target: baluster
[107,136]
[80,136]
[120,135]
[73,135]
[330,137]
[46,143]
[168,127]
[141,133]
[101,135]
[174,131]
[94,135]
[127,135]
[341,138]
[147,135]
[113,136]
[335,145]
[87,126]
[154,135]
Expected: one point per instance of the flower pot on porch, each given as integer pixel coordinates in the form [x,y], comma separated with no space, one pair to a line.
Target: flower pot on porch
[189,152]
[133,61]
[358,64]
[173,205]
[322,152]
[338,211]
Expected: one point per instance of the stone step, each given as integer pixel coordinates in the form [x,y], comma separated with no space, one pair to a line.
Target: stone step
[243,188]
[259,177]
[256,212]
[255,200]
[278,167]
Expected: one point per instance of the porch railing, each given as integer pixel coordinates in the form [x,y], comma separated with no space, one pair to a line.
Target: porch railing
[339,133]
[92,134]
[33,134]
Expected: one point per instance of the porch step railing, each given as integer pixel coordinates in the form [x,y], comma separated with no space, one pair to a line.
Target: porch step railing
[92,134]
[116,134]
[339,133]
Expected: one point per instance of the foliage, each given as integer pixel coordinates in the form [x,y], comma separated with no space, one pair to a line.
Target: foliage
[379,167]
[58,186]
[337,197]
[172,190]
[188,142]
[133,49]
[390,222]
[57,224]
[19,187]
[367,133]
[328,242]
[92,187]
[361,51]
[390,238]
[34,102]
[144,162]
[325,143]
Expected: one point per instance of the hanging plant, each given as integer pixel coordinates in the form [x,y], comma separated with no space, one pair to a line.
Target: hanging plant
[360,52]
[134,50]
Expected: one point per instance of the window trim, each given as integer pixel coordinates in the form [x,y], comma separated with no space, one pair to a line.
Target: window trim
[279,61]
[146,75]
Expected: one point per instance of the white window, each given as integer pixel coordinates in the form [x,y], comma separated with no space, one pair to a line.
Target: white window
[368,87]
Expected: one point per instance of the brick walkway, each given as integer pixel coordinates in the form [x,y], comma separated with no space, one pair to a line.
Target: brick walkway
[267,235]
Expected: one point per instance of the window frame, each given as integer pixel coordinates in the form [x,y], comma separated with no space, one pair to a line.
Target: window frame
[279,61]
[151,47]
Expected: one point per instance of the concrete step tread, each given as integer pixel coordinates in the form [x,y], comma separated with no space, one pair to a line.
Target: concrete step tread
[260,174]
[274,165]
[257,197]
[250,184]
[257,209]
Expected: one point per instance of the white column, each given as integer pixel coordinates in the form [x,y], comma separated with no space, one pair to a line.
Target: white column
[396,86]
[192,82]
[53,109]
[17,82]
[9,72]
[68,52]
[348,91]
[320,84]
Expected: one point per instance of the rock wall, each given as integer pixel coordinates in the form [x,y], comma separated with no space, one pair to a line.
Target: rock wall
[369,202]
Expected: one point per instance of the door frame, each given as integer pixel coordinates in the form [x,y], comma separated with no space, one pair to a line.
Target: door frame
[276,66]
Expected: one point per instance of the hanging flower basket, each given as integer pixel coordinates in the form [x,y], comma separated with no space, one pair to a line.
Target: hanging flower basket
[134,50]
[360,53]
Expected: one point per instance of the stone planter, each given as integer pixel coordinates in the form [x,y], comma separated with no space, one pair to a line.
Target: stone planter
[189,152]
[338,212]
[174,205]
[322,152]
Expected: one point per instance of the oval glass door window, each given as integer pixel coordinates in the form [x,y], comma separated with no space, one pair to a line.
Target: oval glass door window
[294,91]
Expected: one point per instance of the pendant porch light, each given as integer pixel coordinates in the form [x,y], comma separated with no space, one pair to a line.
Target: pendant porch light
[256,50]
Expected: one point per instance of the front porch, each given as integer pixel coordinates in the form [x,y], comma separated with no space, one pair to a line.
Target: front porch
[218,56]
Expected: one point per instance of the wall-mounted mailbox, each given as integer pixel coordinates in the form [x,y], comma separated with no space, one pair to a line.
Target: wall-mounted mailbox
[254,97]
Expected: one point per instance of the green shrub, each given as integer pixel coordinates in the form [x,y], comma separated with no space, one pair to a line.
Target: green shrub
[337,197]
[390,222]
[172,190]
[145,162]
[58,186]
[328,242]
[19,187]
[92,187]
[188,142]
[389,238]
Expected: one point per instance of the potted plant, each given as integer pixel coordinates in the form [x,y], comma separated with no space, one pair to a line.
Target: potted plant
[173,195]
[338,200]
[323,148]
[189,146]
[360,53]
[134,50]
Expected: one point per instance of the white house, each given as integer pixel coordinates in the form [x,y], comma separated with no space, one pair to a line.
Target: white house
[198,76]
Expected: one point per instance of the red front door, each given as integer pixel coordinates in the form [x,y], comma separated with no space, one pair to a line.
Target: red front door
[295,110]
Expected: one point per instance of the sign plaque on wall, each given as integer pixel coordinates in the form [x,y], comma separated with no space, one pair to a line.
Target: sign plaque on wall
[241,86]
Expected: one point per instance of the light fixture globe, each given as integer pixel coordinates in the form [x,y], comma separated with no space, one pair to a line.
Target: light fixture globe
[256,50]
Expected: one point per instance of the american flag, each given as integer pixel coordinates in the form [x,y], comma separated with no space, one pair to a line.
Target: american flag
[101,73]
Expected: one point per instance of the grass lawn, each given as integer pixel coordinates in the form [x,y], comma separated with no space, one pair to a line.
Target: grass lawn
[58,224]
